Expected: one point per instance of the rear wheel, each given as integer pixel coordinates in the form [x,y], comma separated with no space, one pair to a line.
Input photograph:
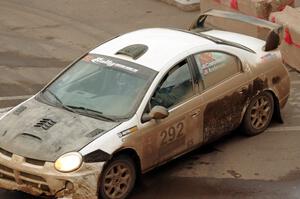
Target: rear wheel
[118,178]
[259,114]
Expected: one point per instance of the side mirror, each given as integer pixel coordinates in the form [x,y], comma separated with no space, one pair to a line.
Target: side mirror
[157,113]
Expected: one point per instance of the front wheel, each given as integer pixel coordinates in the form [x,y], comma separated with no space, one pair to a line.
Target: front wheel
[259,114]
[118,178]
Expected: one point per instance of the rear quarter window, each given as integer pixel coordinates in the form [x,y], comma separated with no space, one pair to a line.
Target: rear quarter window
[215,67]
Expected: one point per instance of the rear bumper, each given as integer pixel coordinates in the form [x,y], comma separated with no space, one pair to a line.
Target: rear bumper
[43,179]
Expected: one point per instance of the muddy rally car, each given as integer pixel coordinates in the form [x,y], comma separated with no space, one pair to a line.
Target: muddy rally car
[136,102]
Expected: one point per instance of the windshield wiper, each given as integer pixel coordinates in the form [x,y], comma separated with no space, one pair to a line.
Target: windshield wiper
[60,102]
[90,112]
[74,109]
[53,95]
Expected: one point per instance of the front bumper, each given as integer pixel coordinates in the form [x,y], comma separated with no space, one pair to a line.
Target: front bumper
[41,178]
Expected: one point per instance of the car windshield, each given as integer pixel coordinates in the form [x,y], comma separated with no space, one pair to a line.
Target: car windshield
[106,86]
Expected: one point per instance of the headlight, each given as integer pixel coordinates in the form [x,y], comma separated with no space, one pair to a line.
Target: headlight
[68,162]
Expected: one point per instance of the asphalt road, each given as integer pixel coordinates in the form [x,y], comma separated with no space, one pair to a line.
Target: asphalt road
[38,38]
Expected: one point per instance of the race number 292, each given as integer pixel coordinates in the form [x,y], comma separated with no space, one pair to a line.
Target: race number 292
[172,133]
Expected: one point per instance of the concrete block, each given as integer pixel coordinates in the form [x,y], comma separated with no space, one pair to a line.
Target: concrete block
[185,5]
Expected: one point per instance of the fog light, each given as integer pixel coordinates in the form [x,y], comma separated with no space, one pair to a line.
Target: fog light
[69,186]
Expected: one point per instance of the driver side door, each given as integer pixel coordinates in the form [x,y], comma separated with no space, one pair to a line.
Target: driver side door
[167,138]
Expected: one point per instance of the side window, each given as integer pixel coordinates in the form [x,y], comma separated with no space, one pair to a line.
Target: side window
[215,67]
[175,87]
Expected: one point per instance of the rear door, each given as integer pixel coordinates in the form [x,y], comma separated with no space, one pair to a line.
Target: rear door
[224,87]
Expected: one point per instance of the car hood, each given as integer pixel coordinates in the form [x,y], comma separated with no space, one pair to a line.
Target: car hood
[38,131]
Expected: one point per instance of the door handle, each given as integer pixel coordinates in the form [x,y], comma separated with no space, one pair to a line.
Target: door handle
[243,90]
[195,114]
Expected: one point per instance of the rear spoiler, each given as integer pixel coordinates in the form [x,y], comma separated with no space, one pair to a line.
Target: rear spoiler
[272,39]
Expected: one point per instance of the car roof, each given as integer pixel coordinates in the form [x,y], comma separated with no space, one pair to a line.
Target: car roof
[162,45]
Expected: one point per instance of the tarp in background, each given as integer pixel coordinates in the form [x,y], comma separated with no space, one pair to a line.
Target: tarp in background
[290,45]
[257,8]
[279,5]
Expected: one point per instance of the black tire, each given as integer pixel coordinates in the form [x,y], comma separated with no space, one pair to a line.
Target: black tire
[113,182]
[259,114]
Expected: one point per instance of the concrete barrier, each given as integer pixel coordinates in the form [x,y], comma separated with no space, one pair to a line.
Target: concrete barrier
[185,5]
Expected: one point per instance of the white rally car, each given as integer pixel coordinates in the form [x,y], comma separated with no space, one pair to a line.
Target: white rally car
[136,102]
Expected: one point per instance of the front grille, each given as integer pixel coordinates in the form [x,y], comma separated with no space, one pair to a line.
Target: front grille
[7,177]
[30,176]
[20,177]
[6,153]
[35,162]
[7,173]
[43,187]
[6,169]
[28,160]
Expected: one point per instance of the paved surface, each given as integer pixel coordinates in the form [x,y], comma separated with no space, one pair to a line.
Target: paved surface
[38,38]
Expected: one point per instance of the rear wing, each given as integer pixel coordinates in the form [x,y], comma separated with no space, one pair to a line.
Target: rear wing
[272,37]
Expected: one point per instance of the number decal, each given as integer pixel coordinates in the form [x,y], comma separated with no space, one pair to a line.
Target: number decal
[172,134]
[180,129]
[164,137]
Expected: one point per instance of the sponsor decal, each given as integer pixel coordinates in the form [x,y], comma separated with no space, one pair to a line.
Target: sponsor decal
[206,58]
[210,62]
[127,132]
[110,63]
[268,56]
[88,58]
